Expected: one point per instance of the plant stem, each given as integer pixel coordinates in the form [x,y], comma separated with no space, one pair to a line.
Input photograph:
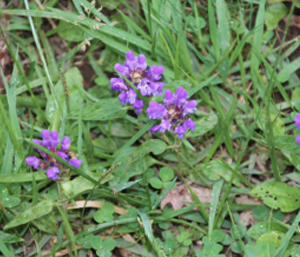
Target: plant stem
[179,156]
[63,198]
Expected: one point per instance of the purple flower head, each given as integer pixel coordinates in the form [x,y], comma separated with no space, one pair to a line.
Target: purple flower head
[189,123]
[41,144]
[131,96]
[298,139]
[180,130]
[154,72]
[33,161]
[123,97]
[118,84]
[65,144]
[174,116]
[52,173]
[75,162]
[63,155]
[46,139]
[146,81]
[138,105]
[53,166]
[297,121]
[155,128]
[54,139]
[156,110]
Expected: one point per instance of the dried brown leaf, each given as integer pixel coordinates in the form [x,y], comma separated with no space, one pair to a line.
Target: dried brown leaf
[94,204]
[247,218]
[180,196]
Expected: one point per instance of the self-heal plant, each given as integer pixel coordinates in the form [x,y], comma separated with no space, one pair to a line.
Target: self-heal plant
[50,140]
[146,81]
[173,114]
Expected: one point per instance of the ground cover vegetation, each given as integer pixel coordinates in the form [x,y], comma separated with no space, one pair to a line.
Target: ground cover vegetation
[150,128]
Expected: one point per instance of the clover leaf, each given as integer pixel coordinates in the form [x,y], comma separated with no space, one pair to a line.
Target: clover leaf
[102,247]
[105,214]
[184,238]
[166,175]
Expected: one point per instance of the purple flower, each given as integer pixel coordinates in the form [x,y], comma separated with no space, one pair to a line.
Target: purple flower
[134,70]
[33,161]
[297,121]
[46,139]
[118,84]
[63,155]
[156,110]
[298,139]
[52,173]
[65,144]
[123,97]
[75,162]
[53,166]
[165,125]
[154,72]
[54,139]
[174,115]
[189,123]
[138,104]
[180,130]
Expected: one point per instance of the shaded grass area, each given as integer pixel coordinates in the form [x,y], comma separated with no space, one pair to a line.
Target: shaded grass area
[226,189]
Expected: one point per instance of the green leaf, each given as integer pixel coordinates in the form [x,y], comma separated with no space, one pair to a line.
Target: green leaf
[9,238]
[108,208]
[289,69]
[3,192]
[261,228]
[261,212]
[237,247]
[274,237]
[74,82]
[35,212]
[214,170]
[67,30]
[104,109]
[153,145]
[46,223]
[80,185]
[156,183]
[96,242]
[103,253]
[101,217]
[217,236]
[295,250]
[278,195]
[183,236]
[26,177]
[11,201]
[278,124]
[109,244]
[261,249]
[212,249]
[275,13]
[241,231]
[204,125]
[166,174]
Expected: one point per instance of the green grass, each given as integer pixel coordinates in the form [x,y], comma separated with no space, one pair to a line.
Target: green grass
[245,82]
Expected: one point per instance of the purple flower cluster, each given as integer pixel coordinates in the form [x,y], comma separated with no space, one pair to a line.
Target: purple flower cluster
[50,140]
[147,82]
[297,122]
[173,117]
